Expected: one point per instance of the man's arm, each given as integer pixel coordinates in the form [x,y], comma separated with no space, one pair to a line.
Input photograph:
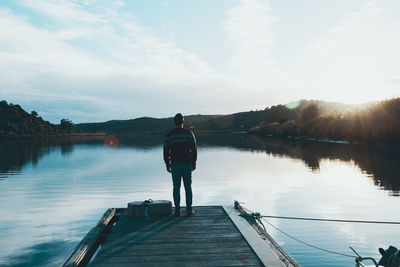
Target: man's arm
[194,151]
[167,155]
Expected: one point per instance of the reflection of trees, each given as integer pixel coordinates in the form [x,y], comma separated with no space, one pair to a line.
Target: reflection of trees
[140,140]
[67,147]
[381,164]
[14,154]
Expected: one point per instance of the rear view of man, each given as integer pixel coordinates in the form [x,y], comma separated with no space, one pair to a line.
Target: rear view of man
[180,155]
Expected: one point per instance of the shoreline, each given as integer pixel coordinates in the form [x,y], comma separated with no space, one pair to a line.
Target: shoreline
[326,139]
[54,136]
[103,135]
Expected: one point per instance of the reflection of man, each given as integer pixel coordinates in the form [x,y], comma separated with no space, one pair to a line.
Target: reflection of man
[180,155]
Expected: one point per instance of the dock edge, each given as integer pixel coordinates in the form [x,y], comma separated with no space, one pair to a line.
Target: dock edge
[85,249]
[267,249]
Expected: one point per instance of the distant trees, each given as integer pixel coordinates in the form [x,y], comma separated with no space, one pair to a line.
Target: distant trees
[309,113]
[373,123]
[66,126]
[15,122]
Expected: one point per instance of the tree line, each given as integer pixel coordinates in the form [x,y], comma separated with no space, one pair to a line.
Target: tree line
[16,122]
[377,122]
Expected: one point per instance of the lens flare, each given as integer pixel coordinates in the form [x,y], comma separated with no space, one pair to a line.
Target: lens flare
[293,105]
[111,141]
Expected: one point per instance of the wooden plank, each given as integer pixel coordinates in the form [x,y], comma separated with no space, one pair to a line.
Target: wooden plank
[160,236]
[183,246]
[139,251]
[166,224]
[150,224]
[180,257]
[204,212]
[198,263]
[200,239]
[179,245]
[263,251]
[82,253]
[177,229]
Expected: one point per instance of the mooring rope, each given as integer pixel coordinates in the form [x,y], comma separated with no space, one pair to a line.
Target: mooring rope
[308,244]
[327,220]
[258,217]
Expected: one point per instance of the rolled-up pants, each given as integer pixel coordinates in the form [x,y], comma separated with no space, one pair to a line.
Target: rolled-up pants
[182,171]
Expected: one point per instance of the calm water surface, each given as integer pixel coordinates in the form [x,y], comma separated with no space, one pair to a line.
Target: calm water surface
[52,193]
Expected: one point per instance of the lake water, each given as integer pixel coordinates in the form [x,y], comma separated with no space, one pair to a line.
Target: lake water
[53,192]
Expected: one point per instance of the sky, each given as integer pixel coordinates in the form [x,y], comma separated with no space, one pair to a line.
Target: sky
[92,61]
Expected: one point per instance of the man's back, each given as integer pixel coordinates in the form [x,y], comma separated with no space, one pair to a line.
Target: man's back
[180,146]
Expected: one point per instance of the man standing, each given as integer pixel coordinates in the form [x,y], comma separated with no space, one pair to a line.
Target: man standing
[180,155]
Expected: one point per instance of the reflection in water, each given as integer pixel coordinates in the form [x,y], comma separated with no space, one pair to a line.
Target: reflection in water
[14,154]
[43,254]
[379,163]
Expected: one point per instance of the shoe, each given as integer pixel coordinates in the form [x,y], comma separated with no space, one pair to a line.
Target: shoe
[190,212]
[177,212]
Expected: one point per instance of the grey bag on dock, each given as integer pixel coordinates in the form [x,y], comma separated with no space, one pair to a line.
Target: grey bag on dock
[149,208]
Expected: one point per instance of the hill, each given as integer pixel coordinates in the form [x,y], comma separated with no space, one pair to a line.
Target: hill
[376,122]
[144,124]
[241,121]
[16,122]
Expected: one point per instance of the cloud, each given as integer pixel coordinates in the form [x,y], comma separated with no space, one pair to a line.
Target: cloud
[164,4]
[253,74]
[66,11]
[350,60]
[89,52]
[28,50]
[248,26]
[94,61]
[127,46]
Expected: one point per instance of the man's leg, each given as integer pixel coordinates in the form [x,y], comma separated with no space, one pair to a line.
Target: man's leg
[187,182]
[176,180]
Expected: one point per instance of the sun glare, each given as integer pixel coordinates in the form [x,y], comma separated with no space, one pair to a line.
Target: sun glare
[111,141]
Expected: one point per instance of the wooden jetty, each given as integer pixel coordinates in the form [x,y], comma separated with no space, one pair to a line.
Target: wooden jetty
[214,236]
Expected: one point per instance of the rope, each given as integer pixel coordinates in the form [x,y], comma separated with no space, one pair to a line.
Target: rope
[308,244]
[326,220]
[257,217]
[259,220]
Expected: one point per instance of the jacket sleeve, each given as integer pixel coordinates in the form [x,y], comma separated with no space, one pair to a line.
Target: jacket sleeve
[194,150]
[167,152]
